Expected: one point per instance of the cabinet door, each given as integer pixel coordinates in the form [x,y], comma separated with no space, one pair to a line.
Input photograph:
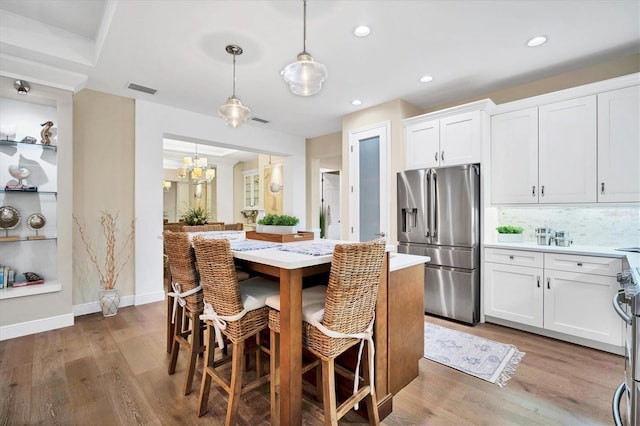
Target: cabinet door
[514,157]
[513,293]
[580,305]
[422,145]
[251,194]
[461,139]
[619,145]
[567,151]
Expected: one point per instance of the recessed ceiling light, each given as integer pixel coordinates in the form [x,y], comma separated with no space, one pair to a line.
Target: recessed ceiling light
[537,41]
[356,102]
[425,79]
[362,31]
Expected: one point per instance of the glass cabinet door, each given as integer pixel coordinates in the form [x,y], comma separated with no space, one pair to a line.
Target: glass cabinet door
[251,190]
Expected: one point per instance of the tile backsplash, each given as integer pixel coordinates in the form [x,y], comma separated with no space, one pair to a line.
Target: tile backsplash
[588,226]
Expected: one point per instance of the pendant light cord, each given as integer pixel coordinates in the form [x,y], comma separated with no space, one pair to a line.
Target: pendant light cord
[304,28]
[234,76]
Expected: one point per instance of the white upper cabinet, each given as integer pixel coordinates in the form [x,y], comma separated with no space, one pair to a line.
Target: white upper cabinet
[619,145]
[422,145]
[514,157]
[448,137]
[567,151]
[579,145]
[461,139]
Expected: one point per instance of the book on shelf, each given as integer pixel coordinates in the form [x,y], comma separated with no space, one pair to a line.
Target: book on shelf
[23,188]
[25,283]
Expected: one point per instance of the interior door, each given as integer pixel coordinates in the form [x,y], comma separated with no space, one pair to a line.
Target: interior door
[369,206]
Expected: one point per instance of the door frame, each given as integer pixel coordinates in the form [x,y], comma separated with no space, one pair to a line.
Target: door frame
[383,131]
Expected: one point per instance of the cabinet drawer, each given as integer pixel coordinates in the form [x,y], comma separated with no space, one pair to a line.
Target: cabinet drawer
[608,266]
[514,257]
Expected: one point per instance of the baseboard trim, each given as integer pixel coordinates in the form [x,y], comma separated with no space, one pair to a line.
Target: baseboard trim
[36,326]
[93,307]
[143,299]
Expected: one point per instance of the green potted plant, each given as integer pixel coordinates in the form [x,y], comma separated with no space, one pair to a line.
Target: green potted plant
[196,216]
[510,234]
[278,224]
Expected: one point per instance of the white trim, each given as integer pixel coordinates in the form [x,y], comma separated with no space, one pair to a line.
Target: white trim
[36,326]
[143,299]
[93,307]
[383,132]
[483,105]
[571,93]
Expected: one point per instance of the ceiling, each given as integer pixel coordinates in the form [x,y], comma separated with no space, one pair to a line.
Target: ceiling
[178,47]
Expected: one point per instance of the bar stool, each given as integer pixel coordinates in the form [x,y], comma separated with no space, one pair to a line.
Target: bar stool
[334,320]
[237,311]
[187,303]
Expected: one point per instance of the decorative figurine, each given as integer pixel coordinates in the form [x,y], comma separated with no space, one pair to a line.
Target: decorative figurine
[45,133]
[35,222]
[29,139]
[19,173]
[9,219]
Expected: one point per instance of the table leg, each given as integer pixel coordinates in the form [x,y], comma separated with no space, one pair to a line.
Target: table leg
[291,347]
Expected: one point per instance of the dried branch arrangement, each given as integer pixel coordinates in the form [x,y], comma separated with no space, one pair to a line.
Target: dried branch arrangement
[115,257]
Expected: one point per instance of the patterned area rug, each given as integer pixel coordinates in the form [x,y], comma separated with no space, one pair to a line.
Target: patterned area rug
[483,358]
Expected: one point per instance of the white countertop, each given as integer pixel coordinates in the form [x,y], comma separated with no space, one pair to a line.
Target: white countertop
[400,261]
[633,259]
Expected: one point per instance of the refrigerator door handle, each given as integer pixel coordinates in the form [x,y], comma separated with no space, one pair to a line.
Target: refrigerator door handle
[435,205]
[427,211]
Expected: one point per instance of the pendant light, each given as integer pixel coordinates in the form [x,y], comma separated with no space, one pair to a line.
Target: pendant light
[305,76]
[233,112]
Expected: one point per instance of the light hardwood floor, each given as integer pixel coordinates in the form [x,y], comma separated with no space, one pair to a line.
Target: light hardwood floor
[114,371]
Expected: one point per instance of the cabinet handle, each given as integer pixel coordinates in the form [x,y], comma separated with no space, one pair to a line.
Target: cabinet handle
[602,187]
[538,280]
[442,155]
[435,157]
[549,283]
[533,191]
[579,263]
[511,257]
[542,190]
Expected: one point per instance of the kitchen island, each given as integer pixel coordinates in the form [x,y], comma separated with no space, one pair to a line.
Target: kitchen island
[290,268]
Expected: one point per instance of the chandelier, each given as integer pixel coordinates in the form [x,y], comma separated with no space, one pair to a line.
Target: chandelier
[197,168]
[233,112]
[305,76]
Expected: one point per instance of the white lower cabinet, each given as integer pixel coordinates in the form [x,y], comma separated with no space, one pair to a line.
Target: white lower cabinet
[554,293]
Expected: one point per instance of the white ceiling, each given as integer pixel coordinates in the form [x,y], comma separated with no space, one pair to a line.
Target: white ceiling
[177,47]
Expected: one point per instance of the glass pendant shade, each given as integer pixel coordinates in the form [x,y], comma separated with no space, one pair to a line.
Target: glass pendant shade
[196,173]
[210,174]
[233,112]
[182,172]
[305,76]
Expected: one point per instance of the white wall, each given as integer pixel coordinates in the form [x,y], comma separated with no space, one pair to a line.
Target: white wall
[155,121]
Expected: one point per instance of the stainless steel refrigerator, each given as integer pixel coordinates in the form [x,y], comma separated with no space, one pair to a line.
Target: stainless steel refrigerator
[439,216]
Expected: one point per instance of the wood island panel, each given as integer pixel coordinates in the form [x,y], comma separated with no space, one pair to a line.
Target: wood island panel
[406,325]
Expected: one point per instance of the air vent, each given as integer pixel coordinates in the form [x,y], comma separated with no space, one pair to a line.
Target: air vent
[143,89]
[260,120]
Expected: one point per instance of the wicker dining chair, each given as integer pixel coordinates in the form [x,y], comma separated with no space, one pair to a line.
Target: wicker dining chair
[203,228]
[188,303]
[233,226]
[336,318]
[237,311]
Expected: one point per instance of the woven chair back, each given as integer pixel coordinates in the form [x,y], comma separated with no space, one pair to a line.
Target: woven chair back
[182,264]
[353,286]
[175,227]
[203,228]
[218,275]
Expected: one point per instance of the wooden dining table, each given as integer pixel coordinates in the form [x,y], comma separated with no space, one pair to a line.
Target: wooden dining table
[289,268]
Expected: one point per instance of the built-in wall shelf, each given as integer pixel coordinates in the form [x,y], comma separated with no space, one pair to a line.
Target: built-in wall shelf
[25,239]
[15,191]
[18,143]
[30,290]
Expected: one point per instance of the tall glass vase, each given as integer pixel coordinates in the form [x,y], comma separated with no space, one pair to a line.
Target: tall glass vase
[109,301]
